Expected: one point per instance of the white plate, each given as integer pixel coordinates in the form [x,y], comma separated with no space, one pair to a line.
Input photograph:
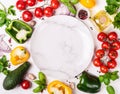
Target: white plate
[62,47]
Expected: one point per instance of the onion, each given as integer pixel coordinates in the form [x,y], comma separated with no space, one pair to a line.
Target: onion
[3,45]
[62,10]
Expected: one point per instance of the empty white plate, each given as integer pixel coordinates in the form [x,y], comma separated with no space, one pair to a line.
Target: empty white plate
[62,46]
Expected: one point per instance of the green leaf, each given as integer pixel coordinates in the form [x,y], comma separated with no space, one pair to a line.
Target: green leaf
[1,68]
[101,78]
[2,18]
[11,11]
[41,76]
[111,2]
[40,82]
[65,1]
[106,81]
[114,77]
[110,90]
[111,9]
[39,89]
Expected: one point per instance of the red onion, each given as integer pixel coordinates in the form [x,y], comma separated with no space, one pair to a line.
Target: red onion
[3,45]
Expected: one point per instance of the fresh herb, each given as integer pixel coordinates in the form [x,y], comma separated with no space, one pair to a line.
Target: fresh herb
[41,83]
[70,5]
[11,11]
[3,14]
[106,78]
[110,90]
[4,65]
[112,8]
[116,21]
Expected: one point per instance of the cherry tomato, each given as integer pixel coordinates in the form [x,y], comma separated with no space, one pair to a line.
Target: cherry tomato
[30,2]
[102,36]
[112,36]
[27,15]
[106,45]
[113,54]
[97,62]
[100,53]
[21,5]
[38,12]
[48,11]
[40,0]
[103,68]
[55,4]
[116,45]
[111,64]
[25,84]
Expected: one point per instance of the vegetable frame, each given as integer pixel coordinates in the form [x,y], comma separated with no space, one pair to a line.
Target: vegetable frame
[19,31]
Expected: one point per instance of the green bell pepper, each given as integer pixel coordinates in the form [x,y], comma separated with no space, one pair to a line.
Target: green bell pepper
[89,83]
[19,31]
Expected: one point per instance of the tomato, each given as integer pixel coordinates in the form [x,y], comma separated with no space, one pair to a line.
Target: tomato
[103,68]
[102,36]
[21,5]
[113,54]
[116,45]
[25,84]
[48,11]
[97,62]
[30,2]
[55,4]
[112,36]
[111,64]
[100,53]
[38,12]
[106,45]
[27,15]
[40,0]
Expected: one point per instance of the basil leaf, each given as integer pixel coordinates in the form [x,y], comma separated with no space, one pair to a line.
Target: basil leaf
[39,89]
[11,11]
[2,18]
[110,90]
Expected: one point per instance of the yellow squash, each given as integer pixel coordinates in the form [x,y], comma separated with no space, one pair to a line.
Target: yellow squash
[19,55]
[88,3]
[58,87]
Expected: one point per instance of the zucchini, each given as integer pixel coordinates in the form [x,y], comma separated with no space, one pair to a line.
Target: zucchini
[15,76]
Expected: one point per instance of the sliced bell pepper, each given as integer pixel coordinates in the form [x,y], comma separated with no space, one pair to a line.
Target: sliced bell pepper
[19,55]
[19,31]
[89,83]
[58,87]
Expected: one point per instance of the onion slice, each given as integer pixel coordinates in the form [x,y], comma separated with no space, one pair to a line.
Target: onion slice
[3,45]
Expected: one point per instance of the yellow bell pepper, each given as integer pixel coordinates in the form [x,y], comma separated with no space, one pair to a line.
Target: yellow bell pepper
[19,55]
[58,87]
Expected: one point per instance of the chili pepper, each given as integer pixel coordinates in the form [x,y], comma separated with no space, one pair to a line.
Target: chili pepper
[89,83]
[19,31]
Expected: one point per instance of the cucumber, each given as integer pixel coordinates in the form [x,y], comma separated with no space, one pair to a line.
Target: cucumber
[15,76]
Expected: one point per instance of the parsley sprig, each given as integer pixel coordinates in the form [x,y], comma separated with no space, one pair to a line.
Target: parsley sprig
[112,8]
[4,65]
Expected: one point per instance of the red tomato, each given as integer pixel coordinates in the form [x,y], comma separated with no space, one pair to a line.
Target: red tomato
[113,54]
[97,62]
[55,4]
[30,2]
[100,53]
[102,36]
[40,0]
[111,64]
[27,15]
[25,84]
[38,12]
[116,45]
[21,5]
[112,36]
[103,68]
[48,11]
[106,45]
